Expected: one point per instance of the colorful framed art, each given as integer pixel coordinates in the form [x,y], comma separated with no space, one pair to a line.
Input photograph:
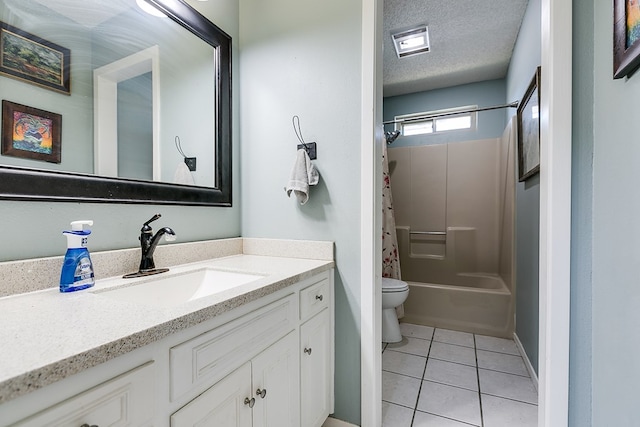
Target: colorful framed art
[32,59]
[30,133]
[626,37]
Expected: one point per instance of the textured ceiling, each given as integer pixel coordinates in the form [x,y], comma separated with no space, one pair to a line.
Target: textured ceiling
[471,41]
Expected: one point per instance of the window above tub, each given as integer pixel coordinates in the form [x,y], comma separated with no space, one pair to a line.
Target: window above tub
[437,121]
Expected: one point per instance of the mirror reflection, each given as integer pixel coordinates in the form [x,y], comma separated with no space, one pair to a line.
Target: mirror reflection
[134,83]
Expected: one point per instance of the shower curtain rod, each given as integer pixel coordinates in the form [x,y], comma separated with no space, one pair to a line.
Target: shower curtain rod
[514,104]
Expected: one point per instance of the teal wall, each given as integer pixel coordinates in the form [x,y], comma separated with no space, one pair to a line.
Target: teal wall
[490,124]
[304,58]
[33,229]
[135,128]
[580,342]
[616,227]
[526,58]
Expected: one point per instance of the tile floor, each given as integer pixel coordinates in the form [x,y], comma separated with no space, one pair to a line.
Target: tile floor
[443,378]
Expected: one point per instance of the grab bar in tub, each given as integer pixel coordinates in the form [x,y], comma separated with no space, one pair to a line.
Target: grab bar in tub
[430,233]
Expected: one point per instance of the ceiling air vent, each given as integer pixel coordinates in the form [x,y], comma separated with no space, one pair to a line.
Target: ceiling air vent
[411,42]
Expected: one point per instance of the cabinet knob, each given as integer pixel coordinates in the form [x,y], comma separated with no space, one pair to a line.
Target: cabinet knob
[261,392]
[319,297]
[308,351]
[249,402]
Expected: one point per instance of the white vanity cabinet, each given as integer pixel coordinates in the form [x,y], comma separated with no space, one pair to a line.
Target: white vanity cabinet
[262,392]
[267,362]
[126,400]
[316,373]
[317,355]
[285,383]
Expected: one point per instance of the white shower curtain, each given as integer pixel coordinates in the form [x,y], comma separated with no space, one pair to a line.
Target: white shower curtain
[390,256]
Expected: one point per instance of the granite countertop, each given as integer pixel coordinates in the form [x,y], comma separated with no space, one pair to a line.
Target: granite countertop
[47,335]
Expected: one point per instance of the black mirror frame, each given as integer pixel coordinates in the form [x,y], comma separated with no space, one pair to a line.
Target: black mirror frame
[18,183]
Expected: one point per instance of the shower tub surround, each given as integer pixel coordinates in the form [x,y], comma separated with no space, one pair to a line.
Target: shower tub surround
[454,207]
[48,336]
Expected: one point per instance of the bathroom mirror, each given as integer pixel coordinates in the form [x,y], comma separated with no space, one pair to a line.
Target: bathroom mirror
[189,98]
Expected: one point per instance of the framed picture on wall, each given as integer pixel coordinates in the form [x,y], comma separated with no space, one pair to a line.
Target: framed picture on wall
[626,37]
[529,130]
[32,59]
[30,133]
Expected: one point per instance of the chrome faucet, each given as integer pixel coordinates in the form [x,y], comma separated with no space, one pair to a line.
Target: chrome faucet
[148,243]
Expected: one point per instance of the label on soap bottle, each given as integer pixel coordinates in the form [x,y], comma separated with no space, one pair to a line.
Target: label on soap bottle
[84,273]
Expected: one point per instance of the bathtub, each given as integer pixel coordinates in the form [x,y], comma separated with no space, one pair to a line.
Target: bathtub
[478,303]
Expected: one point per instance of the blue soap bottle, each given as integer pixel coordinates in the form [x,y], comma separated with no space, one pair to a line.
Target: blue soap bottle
[77,269]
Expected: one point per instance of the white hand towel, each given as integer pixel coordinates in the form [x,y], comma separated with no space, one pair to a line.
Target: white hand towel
[183,175]
[303,174]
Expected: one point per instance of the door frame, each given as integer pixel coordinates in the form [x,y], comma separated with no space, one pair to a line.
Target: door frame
[555,214]
[371,218]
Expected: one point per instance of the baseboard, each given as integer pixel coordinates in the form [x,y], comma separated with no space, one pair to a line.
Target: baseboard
[334,422]
[527,362]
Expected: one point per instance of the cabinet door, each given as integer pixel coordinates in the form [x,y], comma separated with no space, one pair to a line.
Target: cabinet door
[222,405]
[276,373]
[315,367]
[126,400]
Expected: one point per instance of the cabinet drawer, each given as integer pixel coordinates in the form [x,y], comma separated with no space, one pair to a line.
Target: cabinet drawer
[126,400]
[200,362]
[314,298]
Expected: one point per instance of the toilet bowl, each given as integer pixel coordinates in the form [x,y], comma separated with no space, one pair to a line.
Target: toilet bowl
[394,293]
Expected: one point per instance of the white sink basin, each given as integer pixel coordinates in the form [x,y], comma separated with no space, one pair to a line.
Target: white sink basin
[167,291]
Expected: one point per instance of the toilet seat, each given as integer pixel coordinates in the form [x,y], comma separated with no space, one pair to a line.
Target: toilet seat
[393,285]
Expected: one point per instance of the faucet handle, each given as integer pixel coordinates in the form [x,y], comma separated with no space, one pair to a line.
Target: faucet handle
[146,226]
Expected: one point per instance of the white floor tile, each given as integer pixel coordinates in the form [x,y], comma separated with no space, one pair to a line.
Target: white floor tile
[453,337]
[423,419]
[417,346]
[416,331]
[403,363]
[502,362]
[450,402]
[452,374]
[500,345]
[449,396]
[396,415]
[453,353]
[508,385]
[400,389]
[498,412]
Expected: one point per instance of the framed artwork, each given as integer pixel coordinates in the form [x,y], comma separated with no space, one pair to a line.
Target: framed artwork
[29,58]
[529,130]
[626,37]
[30,133]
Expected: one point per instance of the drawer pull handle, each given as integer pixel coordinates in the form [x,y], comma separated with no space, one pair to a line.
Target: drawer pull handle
[261,392]
[319,297]
[87,425]
[249,402]
[308,351]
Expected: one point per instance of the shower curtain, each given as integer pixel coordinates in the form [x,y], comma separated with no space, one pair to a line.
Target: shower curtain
[390,256]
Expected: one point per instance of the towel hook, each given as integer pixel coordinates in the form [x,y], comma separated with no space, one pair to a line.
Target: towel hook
[189,161]
[310,147]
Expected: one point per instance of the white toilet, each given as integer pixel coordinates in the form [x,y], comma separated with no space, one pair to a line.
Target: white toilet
[394,293]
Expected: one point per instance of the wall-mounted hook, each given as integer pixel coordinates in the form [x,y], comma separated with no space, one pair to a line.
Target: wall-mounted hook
[189,161]
[309,147]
